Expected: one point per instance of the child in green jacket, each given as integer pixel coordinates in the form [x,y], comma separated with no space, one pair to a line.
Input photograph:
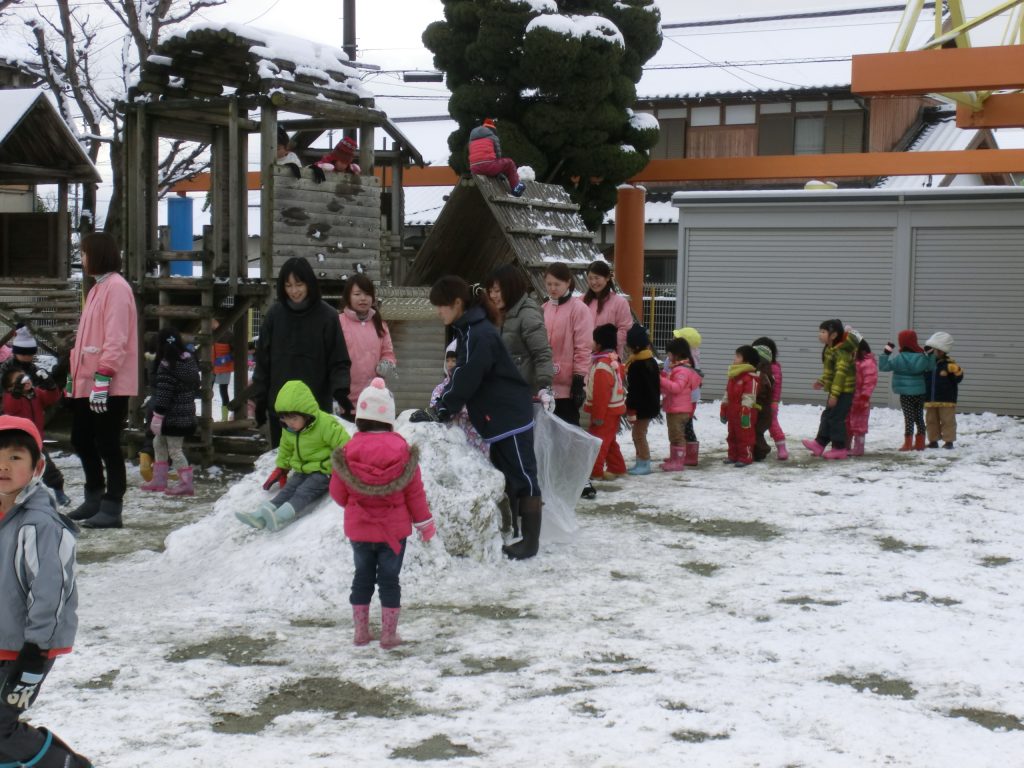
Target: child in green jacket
[907,367]
[838,380]
[308,439]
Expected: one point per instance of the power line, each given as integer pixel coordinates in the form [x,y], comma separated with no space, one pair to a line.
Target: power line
[791,16]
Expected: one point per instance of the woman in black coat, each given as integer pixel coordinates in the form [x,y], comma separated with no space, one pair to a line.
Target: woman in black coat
[497,398]
[300,339]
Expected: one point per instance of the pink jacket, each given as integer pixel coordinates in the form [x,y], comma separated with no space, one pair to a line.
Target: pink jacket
[377,480]
[677,389]
[571,334]
[867,379]
[108,339]
[776,370]
[616,310]
[365,349]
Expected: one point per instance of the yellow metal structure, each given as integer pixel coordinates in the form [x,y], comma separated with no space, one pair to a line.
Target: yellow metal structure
[954,31]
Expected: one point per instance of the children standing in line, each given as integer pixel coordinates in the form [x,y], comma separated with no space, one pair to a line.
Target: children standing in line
[775,429]
[765,395]
[308,438]
[643,394]
[377,480]
[941,390]
[605,402]
[38,612]
[678,385]
[693,338]
[175,389]
[867,378]
[838,379]
[907,367]
[739,406]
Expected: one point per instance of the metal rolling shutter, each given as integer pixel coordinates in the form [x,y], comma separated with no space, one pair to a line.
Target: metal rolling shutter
[781,283]
[970,283]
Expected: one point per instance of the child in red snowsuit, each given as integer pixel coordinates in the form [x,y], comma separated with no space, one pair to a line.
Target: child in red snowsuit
[29,399]
[485,156]
[377,480]
[866,367]
[606,402]
[739,406]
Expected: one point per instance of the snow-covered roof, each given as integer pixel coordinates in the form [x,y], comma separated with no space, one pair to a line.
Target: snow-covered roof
[13,106]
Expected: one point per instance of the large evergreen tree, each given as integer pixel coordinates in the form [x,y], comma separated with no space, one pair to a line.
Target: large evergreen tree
[560,76]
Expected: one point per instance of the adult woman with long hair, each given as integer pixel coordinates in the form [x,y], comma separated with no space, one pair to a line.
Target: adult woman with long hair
[606,305]
[498,400]
[300,339]
[522,327]
[366,334]
[104,374]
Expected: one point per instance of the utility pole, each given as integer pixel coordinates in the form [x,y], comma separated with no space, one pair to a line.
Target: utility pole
[348,28]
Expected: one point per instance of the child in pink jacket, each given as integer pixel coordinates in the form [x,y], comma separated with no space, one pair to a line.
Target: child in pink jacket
[867,379]
[775,429]
[677,387]
[377,480]
[367,336]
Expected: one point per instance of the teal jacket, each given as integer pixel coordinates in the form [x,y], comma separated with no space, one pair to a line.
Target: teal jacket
[310,450]
[906,369]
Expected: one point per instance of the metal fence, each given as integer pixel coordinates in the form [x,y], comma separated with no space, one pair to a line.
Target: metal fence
[659,315]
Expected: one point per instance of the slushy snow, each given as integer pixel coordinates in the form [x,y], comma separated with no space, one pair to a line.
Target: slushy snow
[801,613]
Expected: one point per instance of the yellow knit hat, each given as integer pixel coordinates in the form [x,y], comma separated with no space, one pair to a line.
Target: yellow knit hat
[692,335]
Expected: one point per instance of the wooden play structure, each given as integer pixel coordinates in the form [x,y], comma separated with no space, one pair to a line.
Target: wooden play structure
[219,86]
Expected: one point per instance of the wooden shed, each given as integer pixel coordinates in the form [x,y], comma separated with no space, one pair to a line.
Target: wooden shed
[37,147]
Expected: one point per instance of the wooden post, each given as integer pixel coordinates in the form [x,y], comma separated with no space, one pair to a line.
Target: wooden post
[268,157]
[237,197]
[63,233]
[366,148]
[629,245]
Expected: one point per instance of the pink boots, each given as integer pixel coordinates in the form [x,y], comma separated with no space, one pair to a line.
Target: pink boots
[692,453]
[677,459]
[361,620]
[780,450]
[814,447]
[835,454]
[159,481]
[182,488]
[389,628]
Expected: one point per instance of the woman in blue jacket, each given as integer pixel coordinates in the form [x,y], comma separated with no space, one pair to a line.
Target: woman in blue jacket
[907,365]
[497,398]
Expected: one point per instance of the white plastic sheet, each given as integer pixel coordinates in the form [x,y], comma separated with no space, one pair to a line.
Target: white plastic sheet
[565,457]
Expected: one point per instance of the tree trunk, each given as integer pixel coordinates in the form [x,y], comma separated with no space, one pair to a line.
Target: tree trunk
[114,225]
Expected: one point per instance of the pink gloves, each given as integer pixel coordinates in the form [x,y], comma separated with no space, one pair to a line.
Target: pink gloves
[426,529]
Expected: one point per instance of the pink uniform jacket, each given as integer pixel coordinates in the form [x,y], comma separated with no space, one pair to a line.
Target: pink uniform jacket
[365,349]
[677,388]
[377,480]
[616,311]
[867,379]
[108,339]
[571,334]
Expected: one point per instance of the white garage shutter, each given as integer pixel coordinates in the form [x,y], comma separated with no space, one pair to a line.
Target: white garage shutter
[781,283]
[970,283]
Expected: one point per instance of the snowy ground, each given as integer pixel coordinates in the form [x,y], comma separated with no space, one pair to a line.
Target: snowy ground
[805,613]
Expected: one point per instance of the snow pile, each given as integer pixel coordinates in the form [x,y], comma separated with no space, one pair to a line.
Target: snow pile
[643,121]
[311,556]
[526,173]
[538,6]
[579,27]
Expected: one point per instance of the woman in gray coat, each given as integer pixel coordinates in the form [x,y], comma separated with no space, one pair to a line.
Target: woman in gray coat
[522,328]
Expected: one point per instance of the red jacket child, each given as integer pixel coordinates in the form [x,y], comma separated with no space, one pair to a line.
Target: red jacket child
[606,401]
[739,405]
[31,402]
[377,480]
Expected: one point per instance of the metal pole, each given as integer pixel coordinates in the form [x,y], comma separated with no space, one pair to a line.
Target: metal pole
[348,28]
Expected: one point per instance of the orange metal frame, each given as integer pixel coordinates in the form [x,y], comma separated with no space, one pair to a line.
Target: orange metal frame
[938,71]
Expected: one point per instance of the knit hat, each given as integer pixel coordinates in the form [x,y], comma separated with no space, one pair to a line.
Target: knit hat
[376,403]
[908,340]
[764,352]
[282,137]
[22,425]
[606,336]
[692,335]
[489,122]
[940,340]
[24,343]
[346,146]
[637,338]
